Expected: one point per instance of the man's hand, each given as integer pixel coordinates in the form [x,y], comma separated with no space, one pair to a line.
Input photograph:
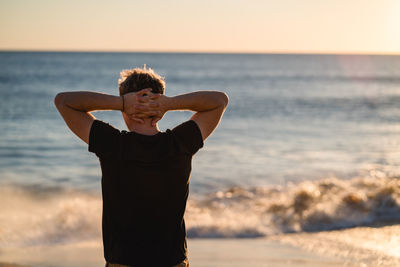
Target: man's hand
[209,106]
[141,105]
[161,107]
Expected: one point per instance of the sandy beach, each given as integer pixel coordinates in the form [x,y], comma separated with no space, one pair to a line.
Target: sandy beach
[359,246]
[202,253]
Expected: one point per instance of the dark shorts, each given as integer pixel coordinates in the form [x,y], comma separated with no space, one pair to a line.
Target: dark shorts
[184,263]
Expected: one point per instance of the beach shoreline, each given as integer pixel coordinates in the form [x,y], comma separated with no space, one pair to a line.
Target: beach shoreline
[358,246]
[202,253]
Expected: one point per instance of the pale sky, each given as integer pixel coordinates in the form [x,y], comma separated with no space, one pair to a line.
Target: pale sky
[285,26]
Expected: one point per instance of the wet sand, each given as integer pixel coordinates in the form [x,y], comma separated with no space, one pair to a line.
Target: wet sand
[3,264]
[202,253]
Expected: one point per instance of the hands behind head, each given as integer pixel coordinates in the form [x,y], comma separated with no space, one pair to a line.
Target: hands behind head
[144,104]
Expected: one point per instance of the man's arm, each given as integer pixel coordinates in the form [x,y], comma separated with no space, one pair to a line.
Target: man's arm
[208,105]
[75,108]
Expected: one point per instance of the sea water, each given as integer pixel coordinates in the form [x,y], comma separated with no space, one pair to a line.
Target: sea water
[308,143]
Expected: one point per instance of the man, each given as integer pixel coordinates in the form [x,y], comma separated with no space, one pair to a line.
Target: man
[145,172]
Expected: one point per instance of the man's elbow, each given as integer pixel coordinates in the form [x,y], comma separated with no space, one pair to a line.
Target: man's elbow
[59,100]
[224,99]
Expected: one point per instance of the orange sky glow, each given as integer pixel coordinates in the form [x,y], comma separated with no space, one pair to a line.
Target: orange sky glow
[248,26]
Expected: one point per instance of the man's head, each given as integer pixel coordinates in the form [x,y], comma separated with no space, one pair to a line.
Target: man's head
[134,80]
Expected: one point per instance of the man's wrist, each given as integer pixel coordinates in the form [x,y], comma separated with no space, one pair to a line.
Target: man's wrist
[168,103]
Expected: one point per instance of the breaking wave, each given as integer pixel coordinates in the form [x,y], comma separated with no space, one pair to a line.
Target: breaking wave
[305,207]
[36,216]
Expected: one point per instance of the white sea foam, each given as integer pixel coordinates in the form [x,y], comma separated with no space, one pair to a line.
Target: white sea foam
[29,217]
[34,216]
[308,206]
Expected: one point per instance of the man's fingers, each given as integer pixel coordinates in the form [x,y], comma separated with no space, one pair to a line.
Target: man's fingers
[140,107]
[153,104]
[140,115]
[144,107]
[145,113]
[150,113]
[138,120]
[144,92]
[154,96]
[142,99]
[155,120]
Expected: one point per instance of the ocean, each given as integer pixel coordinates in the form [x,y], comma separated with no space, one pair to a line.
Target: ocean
[308,144]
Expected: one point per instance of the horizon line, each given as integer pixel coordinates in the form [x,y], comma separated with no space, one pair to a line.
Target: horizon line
[272,52]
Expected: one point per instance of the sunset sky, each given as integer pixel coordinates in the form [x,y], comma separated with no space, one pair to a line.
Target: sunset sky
[286,26]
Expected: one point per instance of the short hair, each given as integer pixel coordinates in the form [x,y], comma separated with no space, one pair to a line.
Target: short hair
[136,79]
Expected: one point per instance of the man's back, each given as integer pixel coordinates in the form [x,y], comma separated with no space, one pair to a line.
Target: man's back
[145,172]
[145,185]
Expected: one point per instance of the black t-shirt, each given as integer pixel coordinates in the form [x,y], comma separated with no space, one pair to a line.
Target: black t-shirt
[145,185]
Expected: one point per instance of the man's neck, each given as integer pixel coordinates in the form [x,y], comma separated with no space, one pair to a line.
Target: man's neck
[144,129]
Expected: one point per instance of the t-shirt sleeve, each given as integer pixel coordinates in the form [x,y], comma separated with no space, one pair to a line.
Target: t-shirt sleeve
[103,139]
[189,135]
